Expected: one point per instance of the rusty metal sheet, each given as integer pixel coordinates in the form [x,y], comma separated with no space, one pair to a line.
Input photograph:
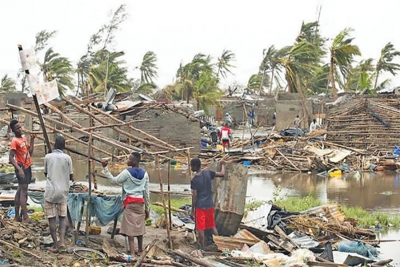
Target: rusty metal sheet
[330,211]
[231,243]
[229,196]
[244,234]
[125,105]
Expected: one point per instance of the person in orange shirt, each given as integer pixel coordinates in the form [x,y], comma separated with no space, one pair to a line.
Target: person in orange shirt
[20,158]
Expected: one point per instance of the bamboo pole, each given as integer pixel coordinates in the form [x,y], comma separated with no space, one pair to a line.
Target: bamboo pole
[163,201]
[91,124]
[188,163]
[55,130]
[169,195]
[112,143]
[160,144]
[90,190]
[112,125]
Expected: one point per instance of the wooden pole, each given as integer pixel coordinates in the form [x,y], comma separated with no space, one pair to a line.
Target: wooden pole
[163,201]
[159,143]
[188,163]
[169,195]
[144,253]
[39,113]
[91,124]
[113,143]
[90,189]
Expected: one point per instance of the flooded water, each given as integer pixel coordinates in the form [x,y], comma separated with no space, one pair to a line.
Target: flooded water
[371,191]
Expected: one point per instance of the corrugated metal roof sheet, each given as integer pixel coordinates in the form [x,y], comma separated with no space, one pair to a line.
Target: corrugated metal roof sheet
[258,218]
[127,104]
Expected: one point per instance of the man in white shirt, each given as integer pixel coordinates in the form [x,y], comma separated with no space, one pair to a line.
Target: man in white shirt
[58,171]
[314,125]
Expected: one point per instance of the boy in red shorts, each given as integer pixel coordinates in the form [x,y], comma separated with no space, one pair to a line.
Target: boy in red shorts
[202,203]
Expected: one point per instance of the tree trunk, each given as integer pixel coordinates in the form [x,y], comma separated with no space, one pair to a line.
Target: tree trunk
[332,78]
[272,80]
[262,81]
[376,80]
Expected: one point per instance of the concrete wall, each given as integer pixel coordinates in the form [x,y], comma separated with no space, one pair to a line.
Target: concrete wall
[171,128]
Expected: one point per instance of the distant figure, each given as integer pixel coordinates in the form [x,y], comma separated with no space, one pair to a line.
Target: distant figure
[297,122]
[314,125]
[274,119]
[225,136]
[228,119]
[214,137]
[251,116]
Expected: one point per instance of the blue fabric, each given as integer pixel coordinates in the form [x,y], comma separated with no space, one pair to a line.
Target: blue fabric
[138,173]
[359,248]
[104,208]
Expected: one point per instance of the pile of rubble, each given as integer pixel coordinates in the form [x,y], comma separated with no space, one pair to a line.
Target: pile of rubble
[309,153]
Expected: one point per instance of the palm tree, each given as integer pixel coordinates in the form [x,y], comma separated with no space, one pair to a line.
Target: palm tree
[55,67]
[224,63]
[271,62]
[300,60]
[7,84]
[206,92]
[148,68]
[388,53]
[257,81]
[108,71]
[187,75]
[342,53]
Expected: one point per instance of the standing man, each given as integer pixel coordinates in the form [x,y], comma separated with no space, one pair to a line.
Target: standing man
[225,136]
[20,158]
[135,190]
[202,203]
[314,125]
[58,171]
[297,122]
[251,116]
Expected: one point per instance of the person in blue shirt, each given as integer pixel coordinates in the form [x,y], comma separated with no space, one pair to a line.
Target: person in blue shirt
[251,116]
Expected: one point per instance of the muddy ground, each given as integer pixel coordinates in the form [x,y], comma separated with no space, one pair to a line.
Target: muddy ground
[25,244]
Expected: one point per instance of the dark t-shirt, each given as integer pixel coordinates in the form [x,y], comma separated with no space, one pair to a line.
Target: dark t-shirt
[202,183]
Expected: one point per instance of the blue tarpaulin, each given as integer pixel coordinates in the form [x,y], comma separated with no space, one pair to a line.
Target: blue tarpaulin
[104,208]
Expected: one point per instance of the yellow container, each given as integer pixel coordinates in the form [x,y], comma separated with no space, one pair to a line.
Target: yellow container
[335,173]
[94,230]
[177,166]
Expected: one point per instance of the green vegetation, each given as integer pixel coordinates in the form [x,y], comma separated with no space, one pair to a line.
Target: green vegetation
[365,218]
[297,204]
[175,202]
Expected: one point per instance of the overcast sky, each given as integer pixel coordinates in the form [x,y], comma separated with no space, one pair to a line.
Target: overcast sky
[178,29]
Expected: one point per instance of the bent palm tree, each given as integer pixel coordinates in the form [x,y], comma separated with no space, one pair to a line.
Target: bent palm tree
[108,71]
[7,84]
[58,68]
[342,53]
[388,53]
[148,68]
[224,63]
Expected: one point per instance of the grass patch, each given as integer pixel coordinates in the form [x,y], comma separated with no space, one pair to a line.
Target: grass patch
[298,204]
[365,218]
[175,202]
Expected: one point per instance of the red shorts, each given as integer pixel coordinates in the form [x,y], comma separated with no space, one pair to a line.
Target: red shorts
[225,143]
[205,219]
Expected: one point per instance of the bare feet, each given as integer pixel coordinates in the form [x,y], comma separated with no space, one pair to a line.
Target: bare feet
[53,249]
